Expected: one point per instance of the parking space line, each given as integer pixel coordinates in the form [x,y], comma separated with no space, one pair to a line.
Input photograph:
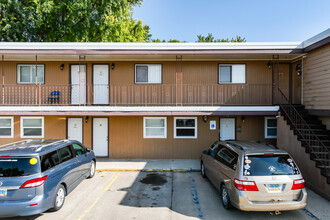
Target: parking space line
[99,197]
[194,194]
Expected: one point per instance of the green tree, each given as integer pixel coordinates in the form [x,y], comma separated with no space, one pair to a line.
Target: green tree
[71,20]
[210,38]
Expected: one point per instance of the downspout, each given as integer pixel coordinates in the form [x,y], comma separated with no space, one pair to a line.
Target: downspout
[302,79]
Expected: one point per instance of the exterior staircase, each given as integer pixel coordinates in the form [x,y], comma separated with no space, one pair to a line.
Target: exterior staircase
[312,134]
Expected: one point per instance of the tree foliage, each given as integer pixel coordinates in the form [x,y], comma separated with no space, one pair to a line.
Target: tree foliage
[71,20]
[210,38]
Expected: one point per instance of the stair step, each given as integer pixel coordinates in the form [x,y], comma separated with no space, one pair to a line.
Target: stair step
[321,159]
[312,126]
[323,167]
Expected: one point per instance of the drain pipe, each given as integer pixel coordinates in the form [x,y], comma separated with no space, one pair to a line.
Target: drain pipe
[302,79]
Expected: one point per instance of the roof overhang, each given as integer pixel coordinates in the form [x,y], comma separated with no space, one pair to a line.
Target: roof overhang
[135,111]
[149,51]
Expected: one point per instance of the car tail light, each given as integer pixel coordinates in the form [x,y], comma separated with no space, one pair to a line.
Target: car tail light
[245,185]
[268,154]
[4,155]
[298,184]
[34,183]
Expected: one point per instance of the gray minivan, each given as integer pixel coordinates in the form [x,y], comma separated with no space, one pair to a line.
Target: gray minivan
[36,175]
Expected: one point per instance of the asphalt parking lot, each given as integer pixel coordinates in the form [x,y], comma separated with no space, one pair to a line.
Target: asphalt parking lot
[151,195]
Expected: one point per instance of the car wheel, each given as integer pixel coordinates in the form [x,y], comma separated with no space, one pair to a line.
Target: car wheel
[91,170]
[59,198]
[225,197]
[203,170]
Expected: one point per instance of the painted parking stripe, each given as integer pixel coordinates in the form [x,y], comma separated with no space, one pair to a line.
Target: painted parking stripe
[99,197]
[194,194]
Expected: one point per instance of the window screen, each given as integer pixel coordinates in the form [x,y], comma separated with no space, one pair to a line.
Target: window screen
[232,73]
[154,127]
[6,127]
[148,73]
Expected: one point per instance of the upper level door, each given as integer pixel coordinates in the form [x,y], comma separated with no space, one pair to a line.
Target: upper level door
[78,84]
[227,129]
[101,84]
[75,129]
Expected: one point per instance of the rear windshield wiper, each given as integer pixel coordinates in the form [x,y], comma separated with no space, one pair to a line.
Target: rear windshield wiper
[280,173]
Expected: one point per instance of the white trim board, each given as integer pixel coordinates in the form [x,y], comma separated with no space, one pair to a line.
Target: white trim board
[138,109]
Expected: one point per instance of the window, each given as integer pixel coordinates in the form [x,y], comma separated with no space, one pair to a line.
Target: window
[185,127]
[148,73]
[154,127]
[213,149]
[227,157]
[32,127]
[49,160]
[270,127]
[26,73]
[6,127]
[232,73]
[78,150]
[65,154]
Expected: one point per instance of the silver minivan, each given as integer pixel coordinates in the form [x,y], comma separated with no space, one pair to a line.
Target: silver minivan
[36,175]
[254,176]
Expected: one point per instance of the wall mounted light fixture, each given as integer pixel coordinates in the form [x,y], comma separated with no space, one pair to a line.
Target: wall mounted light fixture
[112,66]
[86,119]
[243,119]
[205,118]
[62,66]
[269,65]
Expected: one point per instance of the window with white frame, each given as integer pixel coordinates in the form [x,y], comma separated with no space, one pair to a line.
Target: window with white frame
[270,127]
[231,73]
[26,73]
[154,127]
[185,127]
[32,127]
[148,73]
[6,127]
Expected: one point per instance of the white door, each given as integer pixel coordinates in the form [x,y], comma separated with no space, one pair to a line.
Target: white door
[227,129]
[78,84]
[75,129]
[100,137]
[101,84]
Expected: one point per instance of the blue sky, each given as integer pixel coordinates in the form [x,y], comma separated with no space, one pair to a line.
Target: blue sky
[256,20]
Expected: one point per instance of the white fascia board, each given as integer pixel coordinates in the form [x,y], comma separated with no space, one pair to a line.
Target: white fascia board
[315,38]
[138,109]
[149,46]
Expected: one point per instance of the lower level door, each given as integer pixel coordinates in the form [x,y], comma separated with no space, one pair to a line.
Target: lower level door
[75,129]
[100,137]
[227,129]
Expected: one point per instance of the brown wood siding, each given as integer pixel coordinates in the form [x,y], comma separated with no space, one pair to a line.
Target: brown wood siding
[316,79]
[55,128]
[126,136]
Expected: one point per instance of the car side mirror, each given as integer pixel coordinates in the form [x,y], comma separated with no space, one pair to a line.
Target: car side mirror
[204,152]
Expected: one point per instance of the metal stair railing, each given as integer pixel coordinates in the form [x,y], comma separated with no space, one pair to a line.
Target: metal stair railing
[308,135]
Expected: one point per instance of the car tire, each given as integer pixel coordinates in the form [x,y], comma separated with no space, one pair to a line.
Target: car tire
[59,198]
[203,170]
[225,197]
[92,170]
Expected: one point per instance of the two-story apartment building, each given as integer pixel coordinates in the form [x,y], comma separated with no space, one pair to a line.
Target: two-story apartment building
[143,100]
[171,100]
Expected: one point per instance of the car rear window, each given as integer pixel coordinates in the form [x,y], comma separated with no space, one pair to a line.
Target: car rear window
[265,165]
[19,166]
